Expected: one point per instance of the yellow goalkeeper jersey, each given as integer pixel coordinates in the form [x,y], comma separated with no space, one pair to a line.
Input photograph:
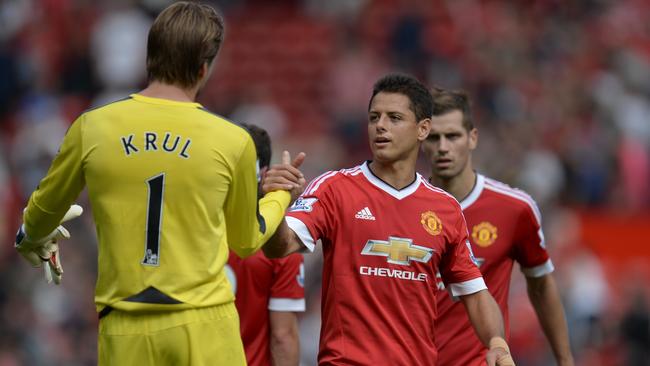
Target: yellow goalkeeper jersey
[172,186]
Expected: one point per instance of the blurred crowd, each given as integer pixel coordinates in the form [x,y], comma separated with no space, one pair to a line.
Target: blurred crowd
[561,96]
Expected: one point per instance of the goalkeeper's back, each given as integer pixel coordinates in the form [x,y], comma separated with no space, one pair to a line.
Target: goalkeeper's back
[160,180]
[171,187]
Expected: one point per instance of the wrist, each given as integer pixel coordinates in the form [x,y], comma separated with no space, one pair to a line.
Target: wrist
[20,235]
[23,239]
[283,198]
[565,361]
[498,342]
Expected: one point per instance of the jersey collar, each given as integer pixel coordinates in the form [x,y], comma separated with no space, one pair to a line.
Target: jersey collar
[399,194]
[162,101]
[474,193]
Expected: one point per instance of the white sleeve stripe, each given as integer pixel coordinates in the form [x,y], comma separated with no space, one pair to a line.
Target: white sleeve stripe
[316,184]
[539,271]
[303,233]
[519,196]
[467,287]
[286,304]
[311,184]
[352,171]
[542,240]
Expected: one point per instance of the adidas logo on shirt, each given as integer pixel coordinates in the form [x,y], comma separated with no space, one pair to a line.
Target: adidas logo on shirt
[365,214]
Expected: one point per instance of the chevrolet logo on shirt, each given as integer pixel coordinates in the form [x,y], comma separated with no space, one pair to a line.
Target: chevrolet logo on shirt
[398,250]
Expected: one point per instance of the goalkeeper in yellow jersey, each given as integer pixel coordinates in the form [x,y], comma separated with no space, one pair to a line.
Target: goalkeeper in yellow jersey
[172,188]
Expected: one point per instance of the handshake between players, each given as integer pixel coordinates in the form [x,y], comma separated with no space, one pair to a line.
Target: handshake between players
[45,251]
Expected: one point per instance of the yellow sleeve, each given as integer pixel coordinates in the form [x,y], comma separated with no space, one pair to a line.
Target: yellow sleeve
[250,223]
[60,187]
[272,208]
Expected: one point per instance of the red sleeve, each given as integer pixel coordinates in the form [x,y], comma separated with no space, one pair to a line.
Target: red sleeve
[312,215]
[287,289]
[288,277]
[457,266]
[530,249]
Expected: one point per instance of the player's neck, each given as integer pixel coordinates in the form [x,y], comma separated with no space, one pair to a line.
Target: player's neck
[397,174]
[156,89]
[459,186]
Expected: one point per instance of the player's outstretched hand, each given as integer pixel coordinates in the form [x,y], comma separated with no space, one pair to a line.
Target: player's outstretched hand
[46,250]
[499,353]
[286,176]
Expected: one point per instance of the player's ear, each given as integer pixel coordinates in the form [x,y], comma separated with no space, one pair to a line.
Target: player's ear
[424,127]
[473,138]
[203,71]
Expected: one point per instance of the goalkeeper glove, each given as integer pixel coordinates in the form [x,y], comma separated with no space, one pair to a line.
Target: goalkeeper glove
[46,249]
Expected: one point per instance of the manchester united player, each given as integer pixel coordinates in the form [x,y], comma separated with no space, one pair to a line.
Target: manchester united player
[386,232]
[504,226]
[269,337]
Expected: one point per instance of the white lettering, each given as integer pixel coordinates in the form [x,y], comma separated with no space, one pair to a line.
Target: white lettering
[127,142]
[303,204]
[439,284]
[150,140]
[150,145]
[183,153]
[392,273]
[170,149]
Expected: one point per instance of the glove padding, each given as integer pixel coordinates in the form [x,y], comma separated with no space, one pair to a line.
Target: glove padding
[46,249]
[53,269]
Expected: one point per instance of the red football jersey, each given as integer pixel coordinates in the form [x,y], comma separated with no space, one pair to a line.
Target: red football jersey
[262,285]
[505,226]
[382,249]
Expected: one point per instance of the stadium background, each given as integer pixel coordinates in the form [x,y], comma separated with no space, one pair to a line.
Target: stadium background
[561,94]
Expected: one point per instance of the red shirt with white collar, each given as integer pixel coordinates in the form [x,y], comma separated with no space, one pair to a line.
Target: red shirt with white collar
[505,226]
[382,250]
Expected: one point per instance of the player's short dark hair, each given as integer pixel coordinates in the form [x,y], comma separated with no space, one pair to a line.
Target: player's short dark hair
[445,101]
[418,94]
[183,37]
[262,142]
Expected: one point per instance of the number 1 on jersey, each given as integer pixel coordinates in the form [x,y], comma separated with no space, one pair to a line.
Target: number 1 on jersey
[154,220]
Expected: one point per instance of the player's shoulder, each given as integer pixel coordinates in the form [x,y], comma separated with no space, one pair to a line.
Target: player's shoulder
[515,197]
[108,106]
[438,194]
[332,179]
[198,113]
[223,123]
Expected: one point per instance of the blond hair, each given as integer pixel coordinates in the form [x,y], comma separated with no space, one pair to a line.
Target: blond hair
[183,37]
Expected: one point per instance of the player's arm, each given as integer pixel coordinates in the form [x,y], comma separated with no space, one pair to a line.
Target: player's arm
[486,318]
[284,342]
[285,176]
[459,271]
[271,211]
[249,222]
[287,297]
[283,242]
[536,265]
[50,205]
[58,190]
[484,315]
[545,298]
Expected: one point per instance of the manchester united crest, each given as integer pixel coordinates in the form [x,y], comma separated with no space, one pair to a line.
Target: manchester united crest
[431,223]
[484,234]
